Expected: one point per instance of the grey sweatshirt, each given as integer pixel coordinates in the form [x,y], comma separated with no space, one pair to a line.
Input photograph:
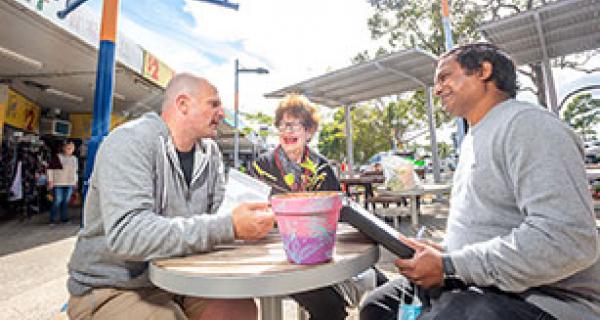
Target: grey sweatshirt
[139,207]
[521,216]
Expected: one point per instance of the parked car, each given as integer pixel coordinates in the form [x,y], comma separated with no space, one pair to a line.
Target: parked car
[375,160]
[592,151]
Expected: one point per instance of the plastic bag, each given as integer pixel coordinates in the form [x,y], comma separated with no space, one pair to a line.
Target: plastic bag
[399,174]
[410,311]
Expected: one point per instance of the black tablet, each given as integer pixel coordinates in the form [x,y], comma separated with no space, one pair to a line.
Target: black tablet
[374,228]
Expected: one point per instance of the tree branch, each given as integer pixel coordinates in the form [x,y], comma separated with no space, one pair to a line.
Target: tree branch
[530,89]
[526,73]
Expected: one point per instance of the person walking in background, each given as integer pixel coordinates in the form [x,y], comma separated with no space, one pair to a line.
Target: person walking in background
[62,182]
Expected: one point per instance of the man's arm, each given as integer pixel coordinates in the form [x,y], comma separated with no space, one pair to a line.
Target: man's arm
[125,180]
[557,237]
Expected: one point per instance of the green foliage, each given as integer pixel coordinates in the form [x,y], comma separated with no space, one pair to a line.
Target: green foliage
[583,113]
[310,182]
[313,180]
[418,24]
[377,126]
[444,149]
[257,119]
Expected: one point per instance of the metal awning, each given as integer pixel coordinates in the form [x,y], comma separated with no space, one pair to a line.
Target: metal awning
[392,74]
[67,64]
[554,30]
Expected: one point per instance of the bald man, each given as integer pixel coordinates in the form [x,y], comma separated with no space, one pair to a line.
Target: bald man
[156,192]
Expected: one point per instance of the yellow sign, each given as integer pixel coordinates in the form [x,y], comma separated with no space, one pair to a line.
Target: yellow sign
[2,113]
[156,70]
[22,113]
[81,124]
[3,98]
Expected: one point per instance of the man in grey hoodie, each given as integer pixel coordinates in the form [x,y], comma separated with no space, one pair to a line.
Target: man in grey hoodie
[156,191]
[521,239]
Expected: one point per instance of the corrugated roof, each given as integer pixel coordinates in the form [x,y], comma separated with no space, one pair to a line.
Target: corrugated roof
[388,75]
[565,27]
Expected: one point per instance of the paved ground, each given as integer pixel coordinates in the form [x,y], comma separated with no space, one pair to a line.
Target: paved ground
[33,272]
[33,259]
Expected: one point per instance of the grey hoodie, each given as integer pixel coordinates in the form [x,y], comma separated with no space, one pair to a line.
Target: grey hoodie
[139,207]
[521,215]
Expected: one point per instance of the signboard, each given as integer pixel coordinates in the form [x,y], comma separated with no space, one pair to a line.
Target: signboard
[156,70]
[22,113]
[3,98]
[81,124]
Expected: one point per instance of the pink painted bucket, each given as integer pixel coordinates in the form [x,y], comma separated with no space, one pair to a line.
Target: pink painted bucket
[307,223]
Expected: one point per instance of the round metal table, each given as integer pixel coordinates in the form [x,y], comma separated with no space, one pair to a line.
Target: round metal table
[261,270]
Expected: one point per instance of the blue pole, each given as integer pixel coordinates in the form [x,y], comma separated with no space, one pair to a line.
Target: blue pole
[105,79]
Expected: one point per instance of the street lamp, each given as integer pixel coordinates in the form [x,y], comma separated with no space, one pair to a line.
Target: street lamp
[236,141]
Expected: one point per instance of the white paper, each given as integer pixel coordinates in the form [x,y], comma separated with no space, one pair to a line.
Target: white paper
[244,188]
[241,188]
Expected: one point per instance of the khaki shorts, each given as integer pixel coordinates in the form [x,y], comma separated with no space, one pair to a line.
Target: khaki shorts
[147,303]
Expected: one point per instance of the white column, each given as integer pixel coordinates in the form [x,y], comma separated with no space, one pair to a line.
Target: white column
[349,142]
[433,139]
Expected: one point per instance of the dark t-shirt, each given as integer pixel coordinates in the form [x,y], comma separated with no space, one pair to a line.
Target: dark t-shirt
[186,159]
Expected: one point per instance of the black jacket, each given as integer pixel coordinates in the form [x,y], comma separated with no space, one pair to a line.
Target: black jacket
[267,163]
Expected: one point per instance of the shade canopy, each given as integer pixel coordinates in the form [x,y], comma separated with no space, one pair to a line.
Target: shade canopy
[67,65]
[392,74]
[554,30]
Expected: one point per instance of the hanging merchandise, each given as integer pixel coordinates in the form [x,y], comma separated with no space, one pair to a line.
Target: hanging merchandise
[16,188]
[24,159]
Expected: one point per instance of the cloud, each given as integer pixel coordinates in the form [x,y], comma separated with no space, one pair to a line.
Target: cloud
[293,39]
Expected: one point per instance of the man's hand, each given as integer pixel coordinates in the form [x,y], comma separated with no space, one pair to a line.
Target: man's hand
[252,221]
[425,267]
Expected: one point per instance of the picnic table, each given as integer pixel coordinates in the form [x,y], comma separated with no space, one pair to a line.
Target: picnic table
[365,180]
[420,190]
[261,270]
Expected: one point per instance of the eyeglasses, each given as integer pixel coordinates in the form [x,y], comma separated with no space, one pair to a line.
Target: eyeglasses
[291,127]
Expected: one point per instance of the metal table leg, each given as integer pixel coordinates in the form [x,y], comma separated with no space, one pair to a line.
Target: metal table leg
[414,214]
[270,308]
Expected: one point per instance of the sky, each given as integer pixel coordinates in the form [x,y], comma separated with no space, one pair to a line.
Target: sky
[294,40]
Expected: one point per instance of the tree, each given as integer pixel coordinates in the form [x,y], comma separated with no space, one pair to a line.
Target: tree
[377,126]
[369,134]
[418,23]
[260,120]
[583,114]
